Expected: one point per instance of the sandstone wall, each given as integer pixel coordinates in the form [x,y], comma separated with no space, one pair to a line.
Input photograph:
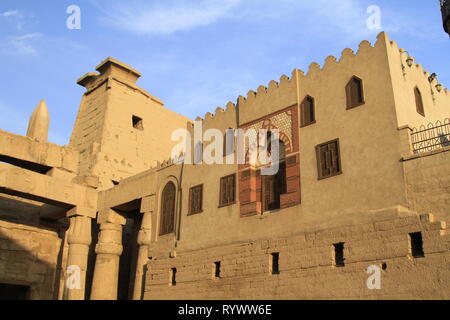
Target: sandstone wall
[306,264]
[428,183]
[29,256]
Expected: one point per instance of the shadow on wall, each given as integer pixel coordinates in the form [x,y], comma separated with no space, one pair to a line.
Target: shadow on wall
[31,252]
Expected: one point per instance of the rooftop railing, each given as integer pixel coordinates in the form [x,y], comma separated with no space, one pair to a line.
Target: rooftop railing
[431,137]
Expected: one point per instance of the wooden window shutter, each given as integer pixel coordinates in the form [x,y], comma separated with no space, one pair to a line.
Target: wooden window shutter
[168,209]
[419,102]
[307,112]
[231,189]
[334,165]
[328,159]
[227,190]
[196,199]
[354,92]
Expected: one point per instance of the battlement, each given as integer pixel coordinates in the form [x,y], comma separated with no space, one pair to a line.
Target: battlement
[285,92]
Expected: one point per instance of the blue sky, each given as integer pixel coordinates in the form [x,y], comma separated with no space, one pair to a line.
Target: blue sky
[196,55]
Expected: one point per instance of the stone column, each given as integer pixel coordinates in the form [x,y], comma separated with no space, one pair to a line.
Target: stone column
[144,238]
[79,239]
[108,250]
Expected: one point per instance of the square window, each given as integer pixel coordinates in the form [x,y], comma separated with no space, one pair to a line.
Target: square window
[138,123]
[328,159]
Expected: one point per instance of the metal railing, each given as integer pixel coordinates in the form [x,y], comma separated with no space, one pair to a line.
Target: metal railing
[431,137]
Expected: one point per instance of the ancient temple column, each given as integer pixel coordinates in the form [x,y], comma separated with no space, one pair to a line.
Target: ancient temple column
[108,250]
[79,239]
[144,238]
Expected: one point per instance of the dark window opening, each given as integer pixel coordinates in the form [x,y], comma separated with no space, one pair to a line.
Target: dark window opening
[173,277]
[138,123]
[355,93]
[168,209]
[339,255]
[384,266]
[307,111]
[416,245]
[115,182]
[274,186]
[196,199]
[269,141]
[328,159]
[419,102]
[275,263]
[217,266]
[11,292]
[227,190]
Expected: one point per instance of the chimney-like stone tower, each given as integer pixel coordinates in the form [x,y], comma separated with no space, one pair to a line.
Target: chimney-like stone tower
[39,123]
[121,129]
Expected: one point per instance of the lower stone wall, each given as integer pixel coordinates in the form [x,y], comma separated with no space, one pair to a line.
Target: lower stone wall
[306,265]
[29,257]
[427,179]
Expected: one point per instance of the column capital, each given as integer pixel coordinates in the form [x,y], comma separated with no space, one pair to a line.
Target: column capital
[82,211]
[148,204]
[110,239]
[80,230]
[109,216]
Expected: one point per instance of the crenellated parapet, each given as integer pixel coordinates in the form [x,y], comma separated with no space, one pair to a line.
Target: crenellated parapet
[267,99]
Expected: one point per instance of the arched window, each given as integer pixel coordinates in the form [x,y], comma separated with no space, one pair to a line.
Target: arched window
[168,209]
[307,112]
[355,93]
[419,102]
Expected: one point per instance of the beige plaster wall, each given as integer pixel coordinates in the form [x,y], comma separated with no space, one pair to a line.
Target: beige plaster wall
[404,80]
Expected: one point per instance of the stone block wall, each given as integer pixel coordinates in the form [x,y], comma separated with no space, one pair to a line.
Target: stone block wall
[29,257]
[306,265]
[427,179]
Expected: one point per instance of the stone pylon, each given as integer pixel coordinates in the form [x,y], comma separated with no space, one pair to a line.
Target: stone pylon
[39,123]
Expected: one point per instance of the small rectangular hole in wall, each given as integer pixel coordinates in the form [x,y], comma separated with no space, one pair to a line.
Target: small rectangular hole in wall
[217,266]
[275,263]
[339,254]
[138,123]
[173,277]
[416,245]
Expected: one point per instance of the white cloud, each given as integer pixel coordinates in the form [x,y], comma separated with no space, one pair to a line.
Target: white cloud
[14,17]
[24,45]
[9,13]
[167,18]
